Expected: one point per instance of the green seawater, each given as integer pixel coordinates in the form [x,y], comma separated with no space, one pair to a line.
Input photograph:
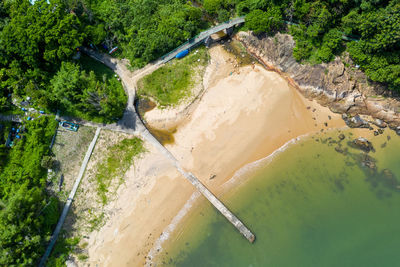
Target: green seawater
[309,206]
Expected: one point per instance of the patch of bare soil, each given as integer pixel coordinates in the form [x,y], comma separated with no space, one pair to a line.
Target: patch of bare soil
[87,212]
[69,150]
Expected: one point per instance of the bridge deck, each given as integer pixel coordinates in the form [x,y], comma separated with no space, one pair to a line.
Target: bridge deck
[199,38]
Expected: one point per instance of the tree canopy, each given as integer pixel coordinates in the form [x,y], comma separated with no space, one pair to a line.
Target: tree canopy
[25,217]
[39,58]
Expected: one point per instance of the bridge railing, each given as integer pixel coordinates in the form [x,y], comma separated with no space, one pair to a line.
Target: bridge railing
[217,28]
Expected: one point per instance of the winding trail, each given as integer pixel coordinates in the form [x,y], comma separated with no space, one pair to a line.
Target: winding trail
[131,120]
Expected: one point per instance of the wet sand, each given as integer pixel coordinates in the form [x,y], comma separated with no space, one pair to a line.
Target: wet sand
[244,114]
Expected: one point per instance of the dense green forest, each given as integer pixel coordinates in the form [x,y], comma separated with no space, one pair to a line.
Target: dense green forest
[27,213]
[37,41]
[38,44]
[318,26]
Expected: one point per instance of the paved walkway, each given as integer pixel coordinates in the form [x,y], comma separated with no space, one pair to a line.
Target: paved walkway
[199,38]
[71,196]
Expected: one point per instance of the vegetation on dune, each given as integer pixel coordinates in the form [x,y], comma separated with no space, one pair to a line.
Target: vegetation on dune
[61,251]
[173,82]
[117,162]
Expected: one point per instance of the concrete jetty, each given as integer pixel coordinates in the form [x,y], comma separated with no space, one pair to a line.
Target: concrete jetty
[235,221]
[221,207]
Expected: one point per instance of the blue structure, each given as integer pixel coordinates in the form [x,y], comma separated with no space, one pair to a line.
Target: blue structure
[182,54]
[69,125]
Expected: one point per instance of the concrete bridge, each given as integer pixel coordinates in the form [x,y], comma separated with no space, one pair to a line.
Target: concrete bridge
[200,38]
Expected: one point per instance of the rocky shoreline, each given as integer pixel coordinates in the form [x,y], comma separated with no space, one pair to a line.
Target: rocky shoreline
[339,85]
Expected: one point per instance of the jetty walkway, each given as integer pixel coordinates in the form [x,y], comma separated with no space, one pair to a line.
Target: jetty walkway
[199,38]
[132,120]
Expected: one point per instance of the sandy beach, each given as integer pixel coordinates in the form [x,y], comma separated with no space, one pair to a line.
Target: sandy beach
[242,115]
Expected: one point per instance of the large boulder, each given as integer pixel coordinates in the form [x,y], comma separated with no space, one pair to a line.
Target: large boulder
[379,123]
[363,144]
[355,121]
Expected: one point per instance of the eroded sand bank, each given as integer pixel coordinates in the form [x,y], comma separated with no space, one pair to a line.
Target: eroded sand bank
[244,115]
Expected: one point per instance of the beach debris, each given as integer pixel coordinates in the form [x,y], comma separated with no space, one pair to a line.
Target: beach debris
[329,117]
[341,136]
[326,124]
[363,144]
[212,176]
[376,133]
[308,107]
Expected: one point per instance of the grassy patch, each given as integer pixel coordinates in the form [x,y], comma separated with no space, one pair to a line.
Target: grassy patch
[173,82]
[62,249]
[96,222]
[119,159]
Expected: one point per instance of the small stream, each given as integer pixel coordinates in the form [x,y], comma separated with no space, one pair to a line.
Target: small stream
[144,105]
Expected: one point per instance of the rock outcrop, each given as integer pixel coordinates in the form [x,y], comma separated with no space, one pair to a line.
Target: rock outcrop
[339,84]
[363,144]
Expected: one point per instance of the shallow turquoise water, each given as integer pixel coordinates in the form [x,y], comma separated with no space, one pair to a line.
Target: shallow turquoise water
[310,206]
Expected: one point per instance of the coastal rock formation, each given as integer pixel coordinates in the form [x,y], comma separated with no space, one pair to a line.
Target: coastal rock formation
[355,121]
[339,84]
[369,162]
[363,144]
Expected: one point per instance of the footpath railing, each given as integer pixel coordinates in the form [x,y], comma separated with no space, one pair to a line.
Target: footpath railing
[200,37]
[68,203]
